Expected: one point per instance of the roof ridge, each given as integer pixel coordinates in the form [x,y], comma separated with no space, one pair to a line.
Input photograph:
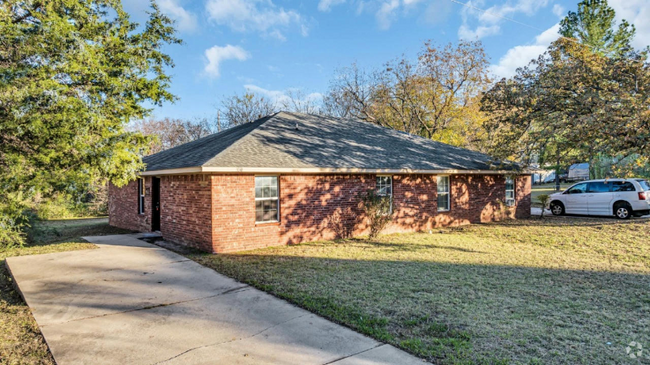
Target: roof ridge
[239,140]
[319,142]
[409,135]
[186,148]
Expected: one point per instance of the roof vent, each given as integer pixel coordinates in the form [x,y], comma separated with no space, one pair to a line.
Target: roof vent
[296,125]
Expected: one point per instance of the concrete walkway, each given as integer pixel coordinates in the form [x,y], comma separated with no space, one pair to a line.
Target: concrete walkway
[130,302]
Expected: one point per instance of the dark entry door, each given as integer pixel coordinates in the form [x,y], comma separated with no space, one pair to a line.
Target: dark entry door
[155,204]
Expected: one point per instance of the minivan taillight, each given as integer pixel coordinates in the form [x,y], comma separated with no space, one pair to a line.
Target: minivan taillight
[642,195]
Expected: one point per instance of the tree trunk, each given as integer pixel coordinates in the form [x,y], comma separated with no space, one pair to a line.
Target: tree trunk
[557,175]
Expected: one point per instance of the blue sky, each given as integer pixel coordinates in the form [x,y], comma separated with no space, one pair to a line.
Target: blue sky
[271,46]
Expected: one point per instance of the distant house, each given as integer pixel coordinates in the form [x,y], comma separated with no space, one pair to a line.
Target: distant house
[291,178]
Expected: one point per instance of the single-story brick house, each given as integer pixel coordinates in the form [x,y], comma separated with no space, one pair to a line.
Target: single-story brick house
[291,178]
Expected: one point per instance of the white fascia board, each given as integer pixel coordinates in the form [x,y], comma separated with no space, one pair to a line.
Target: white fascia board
[318,170]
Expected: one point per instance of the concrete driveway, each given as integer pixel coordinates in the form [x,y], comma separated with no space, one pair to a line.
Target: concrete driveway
[130,302]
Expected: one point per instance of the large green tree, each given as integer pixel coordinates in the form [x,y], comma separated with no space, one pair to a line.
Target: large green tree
[585,99]
[593,25]
[73,73]
[571,105]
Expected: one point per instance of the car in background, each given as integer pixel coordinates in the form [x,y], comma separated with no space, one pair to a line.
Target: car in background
[622,198]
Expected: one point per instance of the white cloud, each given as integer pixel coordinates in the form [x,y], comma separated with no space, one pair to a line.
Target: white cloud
[559,10]
[465,32]
[326,5]
[520,56]
[281,97]
[185,20]
[636,12]
[386,13]
[388,10]
[217,54]
[489,20]
[254,15]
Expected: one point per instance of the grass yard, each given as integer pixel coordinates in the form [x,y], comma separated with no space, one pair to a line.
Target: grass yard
[554,291]
[21,341]
[548,189]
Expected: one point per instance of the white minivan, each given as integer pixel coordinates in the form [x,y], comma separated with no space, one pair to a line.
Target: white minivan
[622,198]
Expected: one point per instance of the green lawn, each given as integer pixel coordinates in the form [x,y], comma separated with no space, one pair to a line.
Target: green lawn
[21,341]
[556,291]
[549,189]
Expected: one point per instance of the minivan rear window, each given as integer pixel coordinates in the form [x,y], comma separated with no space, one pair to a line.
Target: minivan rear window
[644,184]
[622,186]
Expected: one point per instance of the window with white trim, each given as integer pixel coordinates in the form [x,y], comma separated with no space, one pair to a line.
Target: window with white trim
[443,193]
[140,196]
[384,188]
[510,191]
[267,203]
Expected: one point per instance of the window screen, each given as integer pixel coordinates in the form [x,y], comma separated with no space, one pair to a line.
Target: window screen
[140,196]
[266,199]
[443,193]
[384,188]
[510,191]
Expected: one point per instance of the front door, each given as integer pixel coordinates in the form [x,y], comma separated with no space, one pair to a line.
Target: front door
[155,204]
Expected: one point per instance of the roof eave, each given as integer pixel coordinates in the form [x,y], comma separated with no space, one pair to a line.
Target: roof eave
[320,170]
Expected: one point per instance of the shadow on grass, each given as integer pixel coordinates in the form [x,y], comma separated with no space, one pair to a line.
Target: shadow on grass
[459,313]
[404,246]
[567,220]
[50,231]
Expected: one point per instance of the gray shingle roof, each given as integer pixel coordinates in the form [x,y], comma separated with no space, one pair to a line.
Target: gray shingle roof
[301,141]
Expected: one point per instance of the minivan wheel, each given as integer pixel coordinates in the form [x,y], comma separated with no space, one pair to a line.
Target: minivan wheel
[557,208]
[623,211]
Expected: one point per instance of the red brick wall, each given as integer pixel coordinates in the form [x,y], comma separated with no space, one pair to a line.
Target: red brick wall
[217,212]
[318,207]
[478,198]
[186,210]
[523,197]
[473,199]
[233,216]
[123,207]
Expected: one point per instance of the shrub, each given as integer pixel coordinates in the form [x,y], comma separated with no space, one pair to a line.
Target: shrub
[64,206]
[543,199]
[377,210]
[341,223]
[12,221]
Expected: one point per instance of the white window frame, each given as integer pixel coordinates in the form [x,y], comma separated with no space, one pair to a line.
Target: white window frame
[276,198]
[510,202]
[378,186]
[448,192]
[141,195]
